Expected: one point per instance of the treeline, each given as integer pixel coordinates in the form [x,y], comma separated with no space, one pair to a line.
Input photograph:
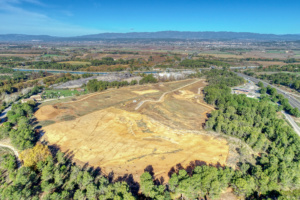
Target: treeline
[55,178]
[148,79]
[202,63]
[119,52]
[96,86]
[56,65]
[255,122]
[111,61]
[279,99]
[223,77]
[286,79]
[275,175]
[17,127]
[11,61]
[6,70]
[277,68]
[19,80]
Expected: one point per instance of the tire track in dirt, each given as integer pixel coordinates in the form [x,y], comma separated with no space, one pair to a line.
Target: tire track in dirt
[161,98]
[14,151]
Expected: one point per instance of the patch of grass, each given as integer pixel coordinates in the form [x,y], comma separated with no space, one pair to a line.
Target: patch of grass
[68,118]
[46,123]
[49,94]
[76,62]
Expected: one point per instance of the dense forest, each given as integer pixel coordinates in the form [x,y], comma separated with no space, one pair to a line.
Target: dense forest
[96,86]
[256,123]
[278,68]
[274,175]
[56,65]
[13,81]
[278,99]
[16,81]
[202,63]
[287,79]
[111,61]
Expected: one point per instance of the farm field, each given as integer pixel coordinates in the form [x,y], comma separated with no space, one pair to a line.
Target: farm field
[106,130]
[18,55]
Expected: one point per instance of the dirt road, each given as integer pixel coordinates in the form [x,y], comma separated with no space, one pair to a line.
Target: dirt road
[161,98]
[15,152]
[292,122]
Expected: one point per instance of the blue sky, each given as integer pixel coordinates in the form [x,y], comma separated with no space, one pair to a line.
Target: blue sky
[74,17]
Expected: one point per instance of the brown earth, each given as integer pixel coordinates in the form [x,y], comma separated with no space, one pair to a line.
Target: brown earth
[127,143]
[47,112]
[145,91]
[104,130]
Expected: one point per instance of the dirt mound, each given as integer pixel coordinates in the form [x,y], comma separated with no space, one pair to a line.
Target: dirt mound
[47,113]
[184,94]
[145,92]
[125,142]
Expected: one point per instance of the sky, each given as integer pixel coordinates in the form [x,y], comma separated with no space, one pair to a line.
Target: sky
[74,17]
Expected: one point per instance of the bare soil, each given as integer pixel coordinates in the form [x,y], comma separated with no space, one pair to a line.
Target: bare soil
[103,130]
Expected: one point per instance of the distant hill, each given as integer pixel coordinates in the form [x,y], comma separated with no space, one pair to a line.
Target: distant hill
[156,35]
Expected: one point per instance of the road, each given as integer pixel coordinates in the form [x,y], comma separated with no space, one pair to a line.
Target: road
[292,100]
[15,152]
[292,122]
[4,114]
[163,95]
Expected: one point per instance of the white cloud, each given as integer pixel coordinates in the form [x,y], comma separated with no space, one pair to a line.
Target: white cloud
[15,19]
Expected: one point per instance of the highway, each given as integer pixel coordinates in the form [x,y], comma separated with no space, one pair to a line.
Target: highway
[292,100]
[4,114]
[292,122]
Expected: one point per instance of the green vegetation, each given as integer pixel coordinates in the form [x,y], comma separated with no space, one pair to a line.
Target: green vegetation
[76,62]
[6,70]
[21,133]
[277,68]
[56,65]
[276,171]
[202,63]
[19,80]
[49,94]
[57,178]
[256,123]
[120,52]
[111,61]
[274,175]
[11,61]
[148,79]
[52,55]
[286,79]
[223,77]
[95,86]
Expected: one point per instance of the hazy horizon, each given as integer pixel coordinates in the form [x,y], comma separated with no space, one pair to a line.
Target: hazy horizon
[75,18]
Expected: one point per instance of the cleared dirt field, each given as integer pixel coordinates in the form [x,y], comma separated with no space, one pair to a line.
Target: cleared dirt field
[145,92]
[76,62]
[104,130]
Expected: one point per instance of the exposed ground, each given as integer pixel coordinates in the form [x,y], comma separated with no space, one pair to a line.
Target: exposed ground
[76,62]
[104,129]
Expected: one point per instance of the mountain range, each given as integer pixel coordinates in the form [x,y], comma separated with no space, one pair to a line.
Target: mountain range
[154,35]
